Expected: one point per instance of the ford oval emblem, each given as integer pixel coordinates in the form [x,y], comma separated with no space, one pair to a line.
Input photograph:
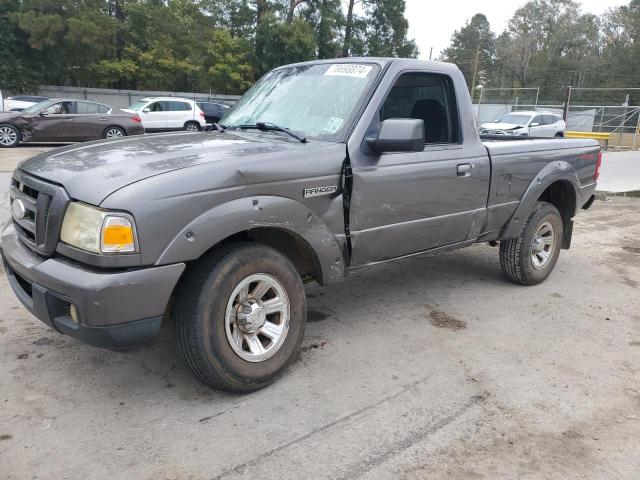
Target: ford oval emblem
[18,210]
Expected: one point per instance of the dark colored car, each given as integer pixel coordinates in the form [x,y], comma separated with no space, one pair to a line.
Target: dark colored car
[213,112]
[61,120]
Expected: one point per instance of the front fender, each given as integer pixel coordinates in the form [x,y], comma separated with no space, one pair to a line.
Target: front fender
[244,214]
[552,172]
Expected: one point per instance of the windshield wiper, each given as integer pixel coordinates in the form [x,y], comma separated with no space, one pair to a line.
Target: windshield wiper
[268,126]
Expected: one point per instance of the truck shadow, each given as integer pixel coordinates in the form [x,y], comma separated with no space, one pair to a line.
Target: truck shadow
[419,281]
[412,288]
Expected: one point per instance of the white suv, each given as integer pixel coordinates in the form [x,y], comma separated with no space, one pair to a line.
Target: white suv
[163,114]
[527,123]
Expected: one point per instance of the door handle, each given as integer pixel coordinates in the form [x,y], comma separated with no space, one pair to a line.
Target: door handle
[464,170]
[104,119]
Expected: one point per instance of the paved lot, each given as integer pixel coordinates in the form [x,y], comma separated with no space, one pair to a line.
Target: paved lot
[424,368]
[620,172]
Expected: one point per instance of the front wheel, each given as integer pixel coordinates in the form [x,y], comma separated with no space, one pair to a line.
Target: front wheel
[240,317]
[9,136]
[530,258]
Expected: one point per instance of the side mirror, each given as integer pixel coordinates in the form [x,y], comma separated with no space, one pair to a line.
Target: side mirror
[398,135]
[146,110]
[43,113]
[534,124]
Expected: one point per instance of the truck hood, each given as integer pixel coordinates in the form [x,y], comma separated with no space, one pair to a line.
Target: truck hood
[501,126]
[92,171]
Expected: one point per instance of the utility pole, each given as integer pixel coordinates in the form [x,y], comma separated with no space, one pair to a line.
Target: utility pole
[567,99]
[430,53]
[475,72]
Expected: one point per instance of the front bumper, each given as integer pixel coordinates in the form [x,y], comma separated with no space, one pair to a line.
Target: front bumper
[117,310]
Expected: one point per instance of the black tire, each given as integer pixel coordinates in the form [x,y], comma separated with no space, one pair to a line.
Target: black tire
[200,309]
[10,136]
[559,135]
[113,132]
[516,254]
[189,127]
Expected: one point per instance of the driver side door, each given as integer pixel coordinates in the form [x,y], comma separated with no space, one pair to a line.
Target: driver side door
[154,117]
[54,123]
[409,202]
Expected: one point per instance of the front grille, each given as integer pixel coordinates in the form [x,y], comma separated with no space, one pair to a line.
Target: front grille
[493,132]
[37,210]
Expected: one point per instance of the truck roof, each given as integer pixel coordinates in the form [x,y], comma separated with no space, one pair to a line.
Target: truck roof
[409,63]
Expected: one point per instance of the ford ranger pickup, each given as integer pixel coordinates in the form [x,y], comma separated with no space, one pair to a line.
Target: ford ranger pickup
[320,169]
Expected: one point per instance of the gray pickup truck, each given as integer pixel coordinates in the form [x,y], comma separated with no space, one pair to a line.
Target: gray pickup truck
[320,169]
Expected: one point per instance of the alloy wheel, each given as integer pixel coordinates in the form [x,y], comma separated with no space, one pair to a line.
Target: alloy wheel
[257,317]
[8,136]
[542,246]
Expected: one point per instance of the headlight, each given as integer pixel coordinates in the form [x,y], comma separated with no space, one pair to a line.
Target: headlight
[98,231]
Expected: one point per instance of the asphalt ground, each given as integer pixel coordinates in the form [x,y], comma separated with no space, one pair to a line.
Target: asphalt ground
[430,367]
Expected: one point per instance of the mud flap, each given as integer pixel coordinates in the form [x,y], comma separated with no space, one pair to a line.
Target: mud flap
[567,233]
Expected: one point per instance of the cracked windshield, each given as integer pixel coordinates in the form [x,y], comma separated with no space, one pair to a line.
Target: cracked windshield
[317,100]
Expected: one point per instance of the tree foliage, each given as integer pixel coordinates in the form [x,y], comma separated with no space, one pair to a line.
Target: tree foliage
[550,44]
[184,45]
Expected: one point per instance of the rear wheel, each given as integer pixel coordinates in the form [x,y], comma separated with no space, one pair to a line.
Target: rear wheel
[9,136]
[240,317]
[113,132]
[192,127]
[531,257]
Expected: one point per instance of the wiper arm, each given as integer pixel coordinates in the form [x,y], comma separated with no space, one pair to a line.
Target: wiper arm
[268,126]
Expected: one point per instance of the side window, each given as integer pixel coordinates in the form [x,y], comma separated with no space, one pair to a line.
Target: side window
[87,107]
[429,97]
[60,108]
[157,107]
[537,119]
[549,120]
[179,106]
[103,109]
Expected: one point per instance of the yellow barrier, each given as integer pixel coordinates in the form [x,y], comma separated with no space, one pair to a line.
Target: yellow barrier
[604,136]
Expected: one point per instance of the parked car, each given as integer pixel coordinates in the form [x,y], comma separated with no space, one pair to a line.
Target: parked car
[524,123]
[325,167]
[213,112]
[164,114]
[66,120]
[17,103]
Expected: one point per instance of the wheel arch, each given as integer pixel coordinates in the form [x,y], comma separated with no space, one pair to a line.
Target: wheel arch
[282,223]
[558,184]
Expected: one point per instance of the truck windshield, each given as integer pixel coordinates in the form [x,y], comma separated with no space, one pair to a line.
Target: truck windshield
[318,100]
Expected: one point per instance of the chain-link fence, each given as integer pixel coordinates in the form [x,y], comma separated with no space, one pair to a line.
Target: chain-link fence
[124,98]
[615,111]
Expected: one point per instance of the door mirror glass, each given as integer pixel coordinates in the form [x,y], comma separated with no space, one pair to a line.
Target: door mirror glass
[398,135]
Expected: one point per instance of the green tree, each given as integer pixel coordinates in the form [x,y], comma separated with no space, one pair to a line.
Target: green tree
[326,16]
[621,50]
[284,42]
[473,49]
[16,74]
[387,29]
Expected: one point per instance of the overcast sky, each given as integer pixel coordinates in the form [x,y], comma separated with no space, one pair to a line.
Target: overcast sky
[432,22]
